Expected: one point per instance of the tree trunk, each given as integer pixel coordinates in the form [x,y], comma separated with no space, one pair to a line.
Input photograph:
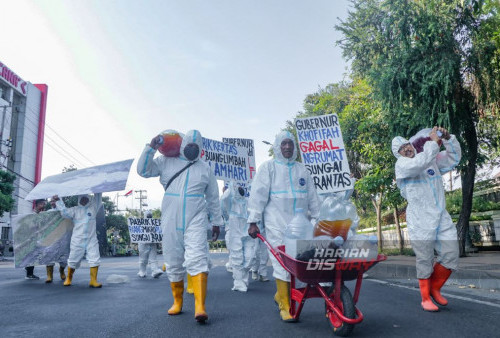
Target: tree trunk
[467,177]
[398,230]
[378,206]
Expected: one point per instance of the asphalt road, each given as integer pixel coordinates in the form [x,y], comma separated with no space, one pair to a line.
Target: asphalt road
[137,308]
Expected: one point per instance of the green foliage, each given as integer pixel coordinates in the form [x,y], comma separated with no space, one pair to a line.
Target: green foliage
[133,213]
[396,252]
[157,213]
[479,203]
[118,223]
[216,245]
[368,220]
[109,206]
[6,189]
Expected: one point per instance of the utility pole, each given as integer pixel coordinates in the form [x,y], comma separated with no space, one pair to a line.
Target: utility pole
[142,196]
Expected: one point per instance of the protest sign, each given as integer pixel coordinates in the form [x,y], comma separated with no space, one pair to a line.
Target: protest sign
[101,178]
[40,239]
[249,146]
[228,161]
[145,230]
[323,152]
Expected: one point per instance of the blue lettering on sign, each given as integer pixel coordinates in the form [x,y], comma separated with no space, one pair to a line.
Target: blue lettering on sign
[302,182]
[318,134]
[216,146]
[323,157]
[431,172]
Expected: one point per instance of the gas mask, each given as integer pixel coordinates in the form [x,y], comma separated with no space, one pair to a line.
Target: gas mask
[191,151]
[241,191]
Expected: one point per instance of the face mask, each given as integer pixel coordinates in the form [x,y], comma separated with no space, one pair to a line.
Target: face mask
[241,191]
[191,151]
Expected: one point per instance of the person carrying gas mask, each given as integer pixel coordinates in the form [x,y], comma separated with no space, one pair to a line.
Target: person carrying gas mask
[430,227]
[191,192]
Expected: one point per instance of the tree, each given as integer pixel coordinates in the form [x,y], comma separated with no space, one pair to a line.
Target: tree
[424,61]
[109,206]
[6,189]
[118,223]
[394,199]
[157,213]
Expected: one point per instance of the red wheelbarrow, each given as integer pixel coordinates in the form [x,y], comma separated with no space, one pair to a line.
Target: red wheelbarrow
[340,305]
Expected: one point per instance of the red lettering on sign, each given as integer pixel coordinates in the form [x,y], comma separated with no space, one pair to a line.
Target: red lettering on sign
[317,146]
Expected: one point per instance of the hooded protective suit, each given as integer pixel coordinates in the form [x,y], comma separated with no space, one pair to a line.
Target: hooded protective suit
[184,207]
[280,187]
[84,237]
[260,258]
[242,249]
[429,225]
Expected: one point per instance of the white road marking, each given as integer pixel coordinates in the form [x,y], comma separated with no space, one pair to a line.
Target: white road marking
[443,293]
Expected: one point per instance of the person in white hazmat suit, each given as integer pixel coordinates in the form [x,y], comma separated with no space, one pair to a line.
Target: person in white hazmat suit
[147,253]
[260,258]
[419,177]
[227,231]
[190,190]
[234,205]
[281,186]
[84,238]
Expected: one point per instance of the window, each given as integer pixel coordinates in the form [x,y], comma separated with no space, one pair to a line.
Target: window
[5,233]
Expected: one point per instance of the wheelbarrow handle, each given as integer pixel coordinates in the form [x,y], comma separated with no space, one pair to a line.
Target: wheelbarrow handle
[273,251]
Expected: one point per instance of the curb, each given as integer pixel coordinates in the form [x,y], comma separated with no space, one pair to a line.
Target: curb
[470,277]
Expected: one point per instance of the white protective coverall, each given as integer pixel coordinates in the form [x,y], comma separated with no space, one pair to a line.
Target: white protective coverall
[242,249]
[280,187]
[227,232]
[429,225]
[260,258]
[184,208]
[84,237]
[147,253]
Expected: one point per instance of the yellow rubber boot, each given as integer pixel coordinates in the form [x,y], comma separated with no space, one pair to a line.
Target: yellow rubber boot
[282,297]
[50,274]
[177,293]
[67,282]
[93,277]
[164,267]
[61,273]
[200,293]
[190,284]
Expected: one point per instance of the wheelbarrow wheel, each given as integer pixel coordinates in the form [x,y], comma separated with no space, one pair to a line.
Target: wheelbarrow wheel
[348,311]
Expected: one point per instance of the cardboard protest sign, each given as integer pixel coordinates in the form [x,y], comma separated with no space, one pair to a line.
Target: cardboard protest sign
[145,230]
[228,161]
[323,152]
[40,239]
[101,178]
[249,146]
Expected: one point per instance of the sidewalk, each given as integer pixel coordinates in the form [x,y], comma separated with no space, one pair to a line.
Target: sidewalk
[480,270]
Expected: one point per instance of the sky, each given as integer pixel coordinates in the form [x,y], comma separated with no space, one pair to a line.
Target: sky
[120,72]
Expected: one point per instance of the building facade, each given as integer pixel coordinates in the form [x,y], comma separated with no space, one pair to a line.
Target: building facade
[22,126]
